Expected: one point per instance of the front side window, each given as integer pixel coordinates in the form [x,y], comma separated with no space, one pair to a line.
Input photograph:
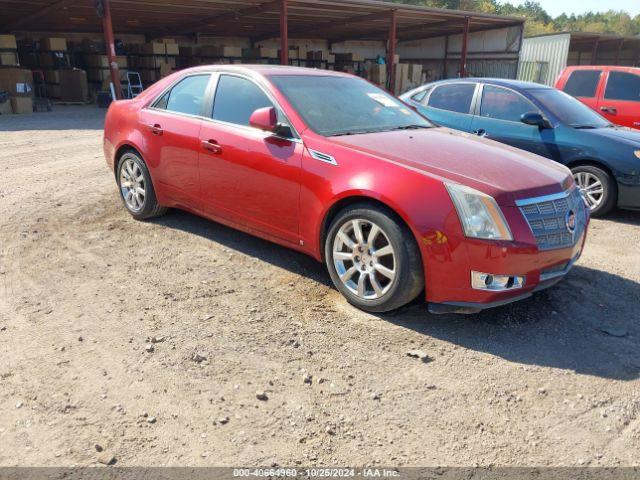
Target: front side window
[454,98]
[623,86]
[187,96]
[567,109]
[333,105]
[583,83]
[236,99]
[504,104]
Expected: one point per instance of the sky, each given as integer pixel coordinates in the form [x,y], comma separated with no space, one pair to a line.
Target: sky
[557,7]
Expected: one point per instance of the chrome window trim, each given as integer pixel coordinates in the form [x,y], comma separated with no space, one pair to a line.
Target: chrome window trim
[214,77]
[545,198]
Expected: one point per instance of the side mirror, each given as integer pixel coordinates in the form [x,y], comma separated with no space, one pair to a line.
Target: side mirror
[265,119]
[535,119]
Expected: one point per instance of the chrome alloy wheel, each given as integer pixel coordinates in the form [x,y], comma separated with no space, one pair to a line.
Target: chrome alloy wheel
[132,185]
[364,259]
[591,188]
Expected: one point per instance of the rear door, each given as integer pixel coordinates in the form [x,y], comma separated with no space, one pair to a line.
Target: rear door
[583,84]
[249,176]
[620,102]
[450,104]
[498,118]
[171,129]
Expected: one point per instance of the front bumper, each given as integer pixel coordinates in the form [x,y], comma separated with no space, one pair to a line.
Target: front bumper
[449,262]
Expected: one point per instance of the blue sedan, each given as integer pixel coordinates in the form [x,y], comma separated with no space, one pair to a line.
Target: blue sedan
[604,159]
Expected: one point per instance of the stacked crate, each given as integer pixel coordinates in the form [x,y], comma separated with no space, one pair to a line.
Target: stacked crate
[8,51]
[154,60]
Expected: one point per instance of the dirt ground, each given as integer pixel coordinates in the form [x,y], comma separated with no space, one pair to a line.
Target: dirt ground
[85,291]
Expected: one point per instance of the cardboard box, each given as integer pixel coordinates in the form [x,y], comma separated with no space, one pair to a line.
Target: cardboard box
[349,57]
[102,61]
[9,59]
[318,55]
[73,85]
[415,73]
[8,42]
[53,44]
[17,81]
[260,52]
[154,48]
[52,76]
[5,108]
[53,90]
[22,105]
[378,74]
[219,52]
[172,48]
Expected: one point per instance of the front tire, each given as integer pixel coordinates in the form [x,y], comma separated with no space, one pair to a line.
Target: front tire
[136,188]
[598,188]
[373,259]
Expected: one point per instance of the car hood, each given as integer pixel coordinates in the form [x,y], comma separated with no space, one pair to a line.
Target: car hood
[624,135]
[504,172]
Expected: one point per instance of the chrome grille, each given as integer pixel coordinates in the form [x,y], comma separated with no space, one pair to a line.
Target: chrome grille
[547,217]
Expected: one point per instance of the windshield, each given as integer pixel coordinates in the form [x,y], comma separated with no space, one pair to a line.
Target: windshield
[569,110]
[345,105]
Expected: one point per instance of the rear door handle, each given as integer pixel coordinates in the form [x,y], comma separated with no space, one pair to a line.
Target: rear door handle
[155,128]
[212,146]
[481,132]
[611,110]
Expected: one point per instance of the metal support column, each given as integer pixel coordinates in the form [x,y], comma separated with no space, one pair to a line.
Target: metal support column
[391,51]
[594,51]
[463,53]
[104,11]
[284,34]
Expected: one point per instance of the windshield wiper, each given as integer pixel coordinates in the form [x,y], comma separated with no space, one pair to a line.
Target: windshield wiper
[357,132]
[410,127]
[584,127]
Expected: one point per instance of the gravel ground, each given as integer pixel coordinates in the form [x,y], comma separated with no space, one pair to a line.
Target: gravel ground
[183,342]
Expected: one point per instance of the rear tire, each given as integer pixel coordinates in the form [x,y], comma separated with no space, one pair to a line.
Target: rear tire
[598,187]
[373,258]
[136,188]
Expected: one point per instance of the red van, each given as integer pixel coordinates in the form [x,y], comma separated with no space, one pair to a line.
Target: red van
[614,92]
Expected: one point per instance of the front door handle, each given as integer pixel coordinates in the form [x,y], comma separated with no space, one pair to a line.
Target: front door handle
[609,110]
[212,146]
[481,132]
[155,128]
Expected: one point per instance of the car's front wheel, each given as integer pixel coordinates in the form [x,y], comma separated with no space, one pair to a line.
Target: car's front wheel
[136,189]
[373,258]
[597,187]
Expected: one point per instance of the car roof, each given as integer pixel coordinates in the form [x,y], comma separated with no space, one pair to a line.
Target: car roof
[502,82]
[266,70]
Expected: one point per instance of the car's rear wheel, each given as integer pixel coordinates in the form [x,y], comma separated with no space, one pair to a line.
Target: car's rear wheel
[597,187]
[373,258]
[136,189]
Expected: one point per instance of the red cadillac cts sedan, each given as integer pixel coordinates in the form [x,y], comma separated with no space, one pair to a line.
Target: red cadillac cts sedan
[332,166]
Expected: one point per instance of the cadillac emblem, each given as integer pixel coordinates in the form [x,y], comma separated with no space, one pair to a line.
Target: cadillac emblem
[570,221]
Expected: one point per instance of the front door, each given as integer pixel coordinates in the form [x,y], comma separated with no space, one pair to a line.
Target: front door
[171,129]
[248,175]
[621,100]
[499,119]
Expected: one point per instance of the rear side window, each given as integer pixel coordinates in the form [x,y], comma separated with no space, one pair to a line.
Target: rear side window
[583,83]
[504,104]
[455,98]
[187,96]
[419,97]
[623,86]
[236,99]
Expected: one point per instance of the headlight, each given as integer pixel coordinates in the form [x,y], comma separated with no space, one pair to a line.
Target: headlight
[479,213]
[637,153]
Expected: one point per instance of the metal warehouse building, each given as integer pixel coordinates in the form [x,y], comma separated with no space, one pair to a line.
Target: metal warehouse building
[543,57]
[446,43]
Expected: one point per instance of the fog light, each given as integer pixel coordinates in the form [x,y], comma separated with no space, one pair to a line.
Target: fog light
[496,283]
